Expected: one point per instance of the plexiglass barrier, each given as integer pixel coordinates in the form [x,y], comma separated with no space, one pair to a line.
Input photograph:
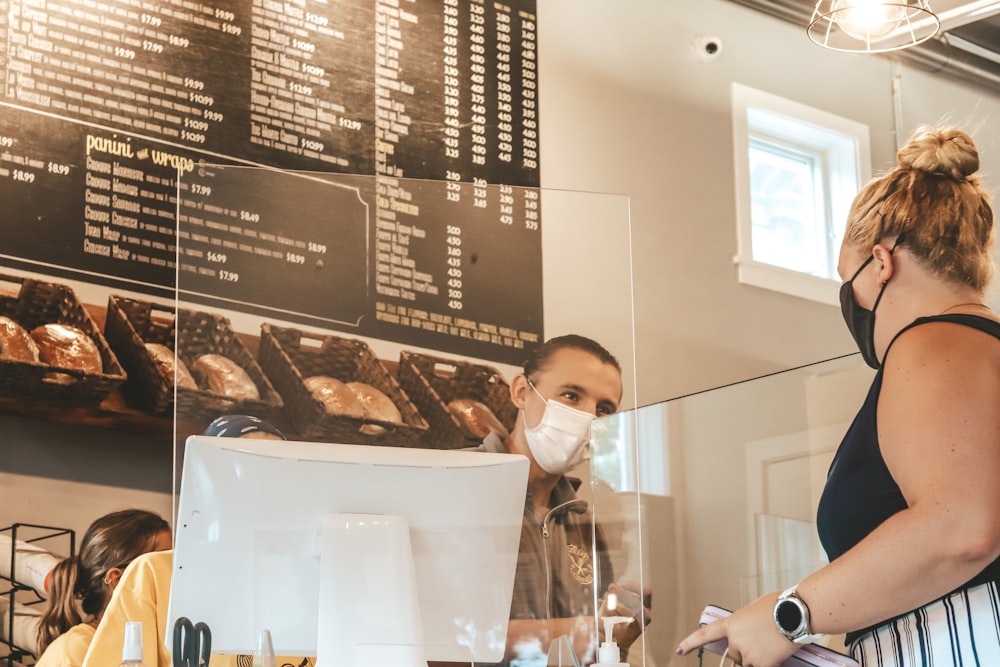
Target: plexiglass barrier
[415,294]
[714,494]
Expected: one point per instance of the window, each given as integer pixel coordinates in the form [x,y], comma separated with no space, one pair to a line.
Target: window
[797,170]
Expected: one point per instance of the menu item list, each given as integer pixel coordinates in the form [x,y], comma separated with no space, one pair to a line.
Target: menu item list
[370,167]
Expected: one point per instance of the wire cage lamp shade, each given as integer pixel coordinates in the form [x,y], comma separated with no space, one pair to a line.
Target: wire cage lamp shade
[872,26]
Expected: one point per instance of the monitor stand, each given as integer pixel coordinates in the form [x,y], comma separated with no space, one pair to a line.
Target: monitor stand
[369,612]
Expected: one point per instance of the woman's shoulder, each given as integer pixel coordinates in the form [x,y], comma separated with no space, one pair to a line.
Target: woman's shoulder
[950,339]
[69,648]
[944,356]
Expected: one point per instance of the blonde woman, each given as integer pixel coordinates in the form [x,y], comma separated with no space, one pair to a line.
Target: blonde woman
[909,513]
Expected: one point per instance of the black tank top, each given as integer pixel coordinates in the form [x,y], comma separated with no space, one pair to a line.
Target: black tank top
[860,492]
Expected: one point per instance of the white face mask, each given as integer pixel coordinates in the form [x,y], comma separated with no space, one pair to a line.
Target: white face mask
[559,441]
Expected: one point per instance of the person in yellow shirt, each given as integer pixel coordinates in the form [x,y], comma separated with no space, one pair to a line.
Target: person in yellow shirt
[143,593]
[82,585]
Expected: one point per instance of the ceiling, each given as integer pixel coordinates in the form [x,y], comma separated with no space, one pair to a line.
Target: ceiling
[967,47]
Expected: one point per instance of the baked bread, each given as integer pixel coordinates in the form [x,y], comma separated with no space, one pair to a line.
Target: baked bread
[65,346]
[477,418]
[222,375]
[171,366]
[337,398]
[15,342]
[378,406]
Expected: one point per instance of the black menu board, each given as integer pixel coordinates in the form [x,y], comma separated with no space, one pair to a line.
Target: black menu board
[369,167]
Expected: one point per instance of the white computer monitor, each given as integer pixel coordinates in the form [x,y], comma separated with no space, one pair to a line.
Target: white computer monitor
[359,555]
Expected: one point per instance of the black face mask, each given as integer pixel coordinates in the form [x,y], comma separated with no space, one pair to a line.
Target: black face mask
[861,321]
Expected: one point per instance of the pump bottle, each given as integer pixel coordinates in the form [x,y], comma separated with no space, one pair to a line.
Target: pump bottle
[132,646]
[608,654]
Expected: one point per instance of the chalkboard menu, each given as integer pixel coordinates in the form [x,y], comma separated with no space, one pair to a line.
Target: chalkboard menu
[366,166]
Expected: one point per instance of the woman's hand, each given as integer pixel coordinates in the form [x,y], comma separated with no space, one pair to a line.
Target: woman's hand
[754,640]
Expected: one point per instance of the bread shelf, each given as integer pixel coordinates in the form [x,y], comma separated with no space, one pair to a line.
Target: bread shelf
[114,413]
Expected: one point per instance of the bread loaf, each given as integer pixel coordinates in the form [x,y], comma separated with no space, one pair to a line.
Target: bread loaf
[337,398]
[222,375]
[15,342]
[378,406]
[476,418]
[171,366]
[66,346]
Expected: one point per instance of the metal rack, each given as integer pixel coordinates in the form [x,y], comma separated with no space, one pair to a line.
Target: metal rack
[51,538]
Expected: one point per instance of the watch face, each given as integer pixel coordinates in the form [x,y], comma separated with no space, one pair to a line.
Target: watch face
[789,617]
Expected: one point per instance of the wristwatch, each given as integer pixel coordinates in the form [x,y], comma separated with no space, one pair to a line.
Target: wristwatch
[791,615]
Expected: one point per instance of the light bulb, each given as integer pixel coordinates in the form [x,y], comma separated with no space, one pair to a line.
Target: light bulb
[868,20]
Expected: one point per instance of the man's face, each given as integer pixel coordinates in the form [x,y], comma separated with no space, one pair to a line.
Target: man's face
[575,378]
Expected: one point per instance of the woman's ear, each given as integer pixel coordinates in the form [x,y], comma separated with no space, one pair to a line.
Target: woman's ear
[884,258]
[518,387]
[112,577]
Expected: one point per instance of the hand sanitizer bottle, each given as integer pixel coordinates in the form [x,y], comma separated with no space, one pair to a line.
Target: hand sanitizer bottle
[264,657]
[132,646]
[609,655]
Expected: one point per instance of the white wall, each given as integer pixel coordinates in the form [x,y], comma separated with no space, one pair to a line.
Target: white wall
[626,107]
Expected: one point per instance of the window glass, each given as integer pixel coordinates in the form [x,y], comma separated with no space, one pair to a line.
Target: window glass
[797,170]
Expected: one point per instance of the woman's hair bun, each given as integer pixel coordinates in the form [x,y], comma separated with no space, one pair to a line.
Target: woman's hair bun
[943,151]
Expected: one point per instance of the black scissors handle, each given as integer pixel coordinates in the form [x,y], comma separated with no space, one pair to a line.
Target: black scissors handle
[192,645]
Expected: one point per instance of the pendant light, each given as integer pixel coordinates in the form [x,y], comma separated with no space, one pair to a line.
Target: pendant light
[872,26]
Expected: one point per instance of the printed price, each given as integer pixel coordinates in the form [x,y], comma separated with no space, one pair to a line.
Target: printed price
[248,216]
[228,276]
[199,98]
[58,169]
[152,47]
[307,47]
[199,189]
[122,52]
[217,257]
[177,40]
[294,258]
[231,29]
[317,247]
[193,137]
[6,142]
[149,19]
[23,176]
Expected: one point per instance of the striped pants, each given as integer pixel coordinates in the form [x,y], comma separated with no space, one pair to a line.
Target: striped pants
[960,630]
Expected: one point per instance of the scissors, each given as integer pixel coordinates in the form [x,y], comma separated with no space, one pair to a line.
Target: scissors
[192,646]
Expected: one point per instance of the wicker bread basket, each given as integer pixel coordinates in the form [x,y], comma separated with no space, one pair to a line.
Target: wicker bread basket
[289,356]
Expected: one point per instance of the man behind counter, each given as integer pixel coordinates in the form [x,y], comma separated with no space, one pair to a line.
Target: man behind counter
[567,383]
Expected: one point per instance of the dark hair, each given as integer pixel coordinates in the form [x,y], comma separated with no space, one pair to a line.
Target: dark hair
[77,584]
[540,358]
[934,198]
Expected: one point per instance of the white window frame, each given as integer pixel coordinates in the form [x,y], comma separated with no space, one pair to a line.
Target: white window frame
[844,154]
